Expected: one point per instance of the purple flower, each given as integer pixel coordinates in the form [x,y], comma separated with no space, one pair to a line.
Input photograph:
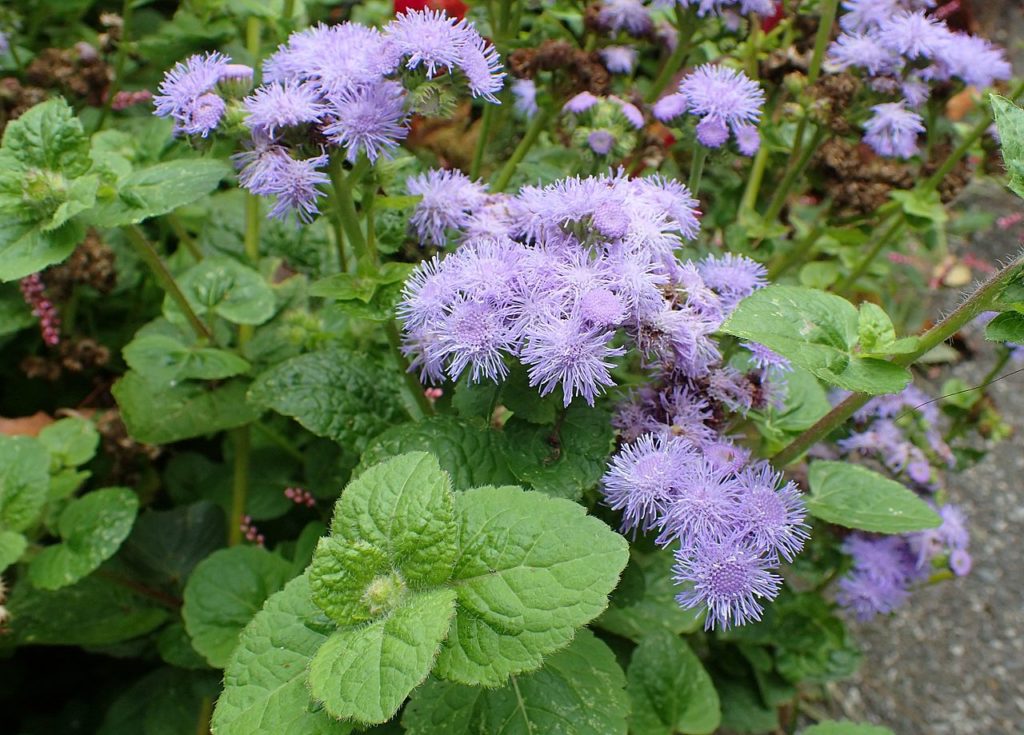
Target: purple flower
[476,335]
[630,111]
[185,93]
[525,93]
[669,107]
[274,106]
[268,170]
[642,479]
[765,359]
[883,569]
[861,15]
[601,142]
[733,277]
[369,119]
[437,42]
[863,50]
[974,60]
[913,34]
[580,103]
[566,352]
[866,596]
[448,198]
[729,579]
[893,130]
[773,517]
[619,59]
[722,98]
[337,58]
[427,294]
[630,16]
[600,307]
[705,506]
[761,7]
[960,562]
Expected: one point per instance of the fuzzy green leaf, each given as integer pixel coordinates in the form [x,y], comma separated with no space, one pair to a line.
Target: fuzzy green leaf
[531,570]
[856,497]
[25,248]
[341,394]
[161,413]
[224,287]
[471,454]
[817,331]
[365,673]
[1007,327]
[91,528]
[578,692]
[223,594]
[12,546]
[265,681]
[24,481]
[1010,123]
[670,690]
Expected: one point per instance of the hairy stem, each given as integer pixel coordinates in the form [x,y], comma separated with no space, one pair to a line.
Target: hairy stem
[700,155]
[797,163]
[345,208]
[417,403]
[753,188]
[976,303]
[187,241]
[685,26]
[166,281]
[540,121]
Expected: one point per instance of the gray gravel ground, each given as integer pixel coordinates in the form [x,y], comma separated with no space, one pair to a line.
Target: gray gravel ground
[952,661]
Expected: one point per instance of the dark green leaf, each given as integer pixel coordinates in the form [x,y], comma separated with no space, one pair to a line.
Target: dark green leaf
[1008,327]
[24,481]
[224,287]
[165,545]
[163,359]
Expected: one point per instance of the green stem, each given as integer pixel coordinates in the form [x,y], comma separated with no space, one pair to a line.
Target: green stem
[369,197]
[345,209]
[253,32]
[797,163]
[182,233]
[753,188]
[252,228]
[976,303]
[240,484]
[700,155]
[163,277]
[481,142]
[417,404]
[796,254]
[287,11]
[540,121]
[504,13]
[685,26]
[122,57]
[828,17]
[884,240]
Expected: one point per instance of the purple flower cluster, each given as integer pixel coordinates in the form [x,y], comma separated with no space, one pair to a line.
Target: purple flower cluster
[730,520]
[717,7]
[345,85]
[724,99]
[886,567]
[630,16]
[901,431]
[606,125]
[562,278]
[903,50]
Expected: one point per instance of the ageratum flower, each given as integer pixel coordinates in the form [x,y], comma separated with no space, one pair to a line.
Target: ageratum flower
[274,106]
[334,58]
[893,129]
[913,35]
[669,107]
[437,42]
[369,119]
[724,98]
[568,352]
[525,93]
[619,59]
[883,570]
[448,200]
[772,517]
[760,7]
[186,94]
[643,479]
[728,579]
[631,16]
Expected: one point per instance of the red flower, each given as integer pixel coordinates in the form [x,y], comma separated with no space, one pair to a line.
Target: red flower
[454,8]
[771,21]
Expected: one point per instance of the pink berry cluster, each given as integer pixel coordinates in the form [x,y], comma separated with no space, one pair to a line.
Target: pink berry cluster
[252,534]
[125,99]
[433,393]
[34,291]
[300,497]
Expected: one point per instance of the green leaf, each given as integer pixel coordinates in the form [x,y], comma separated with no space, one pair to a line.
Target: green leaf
[817,331]
[223,594]
[923,209]
[471,454]
[1007,327]
[844,727]
[163,359]
[96,611]
[25,248]
[645,600]
[531,570]
[855,497]
[670,690]
[580,691]
[874,327]
[166,545]
[265,680]
[49,136]
[175,648]
[742,708]
[341,394]
[12,546]
[161,413]
[396,515]
[24,481]
[563,463]
[360,286]
[224,287]
[158,190]
[15,314]
[72,441]
[1010,123]
[365,673]
[91,528]
[167,701]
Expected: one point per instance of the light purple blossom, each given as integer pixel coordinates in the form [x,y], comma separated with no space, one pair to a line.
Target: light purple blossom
[722,98]
[733,277]
[893,129]
[643,478]
[717,7]
[631,16]
[601,142]
[630,111]
[369,119]
[580,103]
[186,93]
[913,34]
[336,58]
[619,59]
[274,106]
[883,570]
[864,50]
[669,107]
[268,170]
[448,199]
[566,352]
[773,516]
[728,579]
[525,92]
